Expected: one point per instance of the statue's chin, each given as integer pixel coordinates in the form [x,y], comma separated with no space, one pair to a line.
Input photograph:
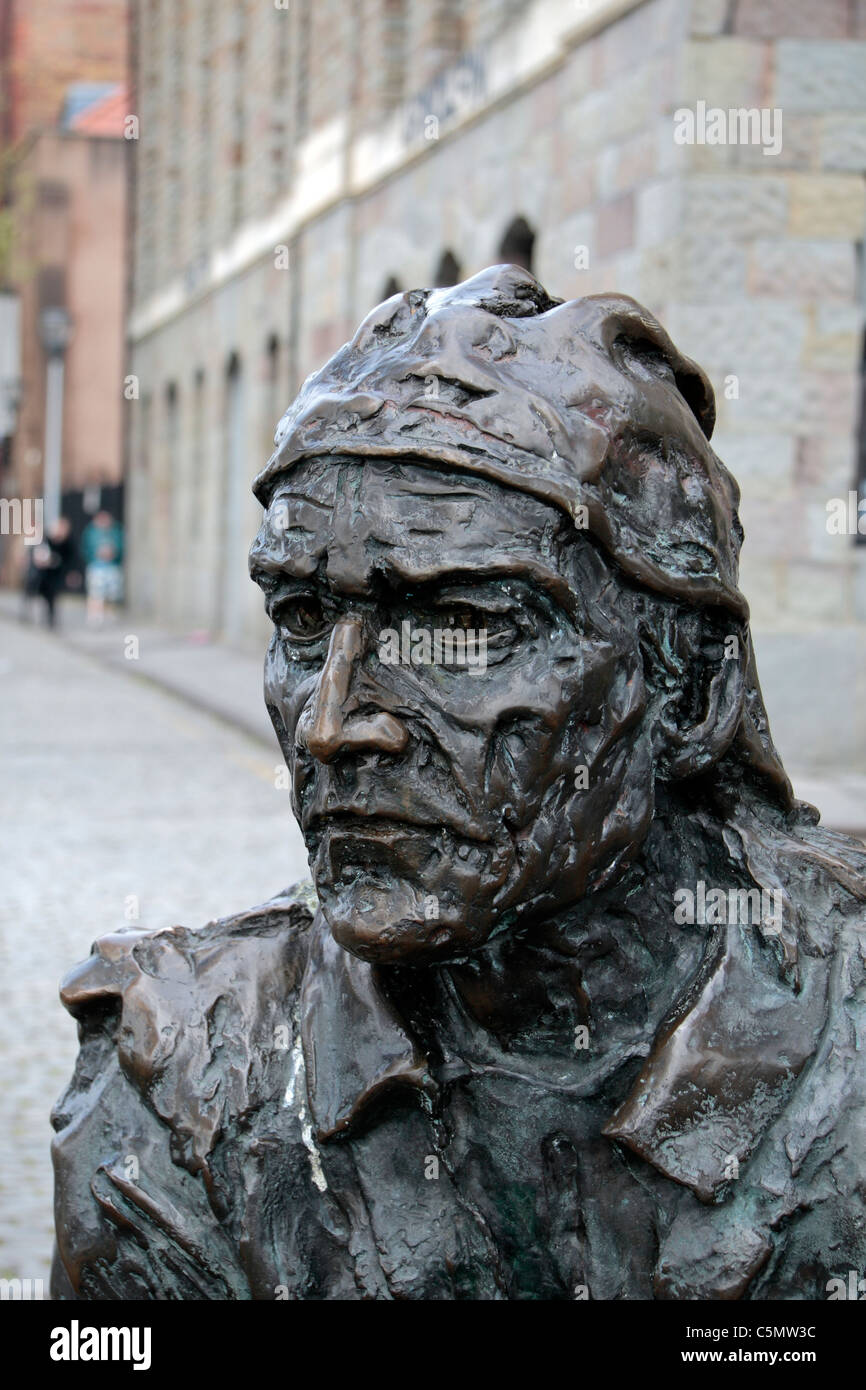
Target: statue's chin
[386,923]
[397,893]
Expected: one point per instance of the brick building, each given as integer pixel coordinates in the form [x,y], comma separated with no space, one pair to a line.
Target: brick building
[63,223]
[71,220]
[297,162]
[45,47]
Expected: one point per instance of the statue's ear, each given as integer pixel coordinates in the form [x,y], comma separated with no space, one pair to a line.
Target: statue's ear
[697,681]
[624,324]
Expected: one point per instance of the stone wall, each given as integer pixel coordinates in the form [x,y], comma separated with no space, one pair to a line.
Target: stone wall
[563,114]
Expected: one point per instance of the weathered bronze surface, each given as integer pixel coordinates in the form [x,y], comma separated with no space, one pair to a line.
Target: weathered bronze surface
[496,1061]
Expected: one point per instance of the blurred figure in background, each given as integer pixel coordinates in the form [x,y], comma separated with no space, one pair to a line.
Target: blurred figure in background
[30,587]
[102,544]
[51,563]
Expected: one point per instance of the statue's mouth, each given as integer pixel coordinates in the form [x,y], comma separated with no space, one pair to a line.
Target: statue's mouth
[367,825]
[345,847]
[359,822]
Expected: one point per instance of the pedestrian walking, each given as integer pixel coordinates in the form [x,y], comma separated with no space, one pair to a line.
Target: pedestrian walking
[103,556]
[53,561]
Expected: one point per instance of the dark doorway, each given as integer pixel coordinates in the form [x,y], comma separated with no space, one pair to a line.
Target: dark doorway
[447,271]
[517,244]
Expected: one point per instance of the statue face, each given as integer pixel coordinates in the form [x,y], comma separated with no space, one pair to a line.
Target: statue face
[444,799]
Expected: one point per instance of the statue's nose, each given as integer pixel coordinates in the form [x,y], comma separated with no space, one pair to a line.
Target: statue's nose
[325,728]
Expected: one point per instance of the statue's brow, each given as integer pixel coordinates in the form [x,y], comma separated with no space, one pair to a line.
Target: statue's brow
[303,497]
[413,489]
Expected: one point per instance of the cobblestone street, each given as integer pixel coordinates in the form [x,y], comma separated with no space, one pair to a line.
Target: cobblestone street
[113,791]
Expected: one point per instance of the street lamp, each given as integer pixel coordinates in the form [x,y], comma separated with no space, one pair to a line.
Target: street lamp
[10,362]
[55,330]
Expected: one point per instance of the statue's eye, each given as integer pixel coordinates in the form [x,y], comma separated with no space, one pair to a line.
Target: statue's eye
[300,618]
[497,626]
[466,618]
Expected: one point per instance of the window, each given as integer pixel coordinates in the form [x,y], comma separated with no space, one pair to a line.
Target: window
[171,462]
[281,113]
[394,61]
[270,397]
[517,244]
[175,144]
[197,453]
[204,172]
[144,439]
[447,271]
[302,84]
[238,469]
[860,539]
[171,426]
[237,117]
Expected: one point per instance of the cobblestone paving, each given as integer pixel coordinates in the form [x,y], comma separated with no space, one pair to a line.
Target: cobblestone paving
[112,789]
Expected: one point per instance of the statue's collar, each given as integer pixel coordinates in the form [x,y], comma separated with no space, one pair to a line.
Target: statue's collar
[720,1068]
[355,1044]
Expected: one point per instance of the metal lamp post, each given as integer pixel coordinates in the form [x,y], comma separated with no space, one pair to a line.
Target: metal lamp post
[55,329]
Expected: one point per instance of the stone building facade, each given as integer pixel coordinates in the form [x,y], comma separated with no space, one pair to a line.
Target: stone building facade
[298,161]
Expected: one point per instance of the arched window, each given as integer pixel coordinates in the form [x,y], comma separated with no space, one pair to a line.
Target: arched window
[393,56]
[447,271]
[145,442]
[172,491]
[238,469]
[392,286]
[172,433]
[517,244]
[198,451]
[859,538]
[271,405]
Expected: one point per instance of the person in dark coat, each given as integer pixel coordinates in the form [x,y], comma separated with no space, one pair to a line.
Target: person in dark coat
[54,561]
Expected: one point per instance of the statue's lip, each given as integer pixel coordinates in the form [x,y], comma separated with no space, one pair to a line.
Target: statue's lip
[356,820]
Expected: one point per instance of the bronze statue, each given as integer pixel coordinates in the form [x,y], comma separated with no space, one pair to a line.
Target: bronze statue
[576,1009]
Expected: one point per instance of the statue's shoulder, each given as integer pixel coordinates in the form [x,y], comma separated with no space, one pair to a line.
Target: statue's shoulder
[193,1017]
[183,1039]
[133,965]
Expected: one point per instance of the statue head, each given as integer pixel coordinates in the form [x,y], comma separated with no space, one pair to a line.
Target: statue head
[500,557]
